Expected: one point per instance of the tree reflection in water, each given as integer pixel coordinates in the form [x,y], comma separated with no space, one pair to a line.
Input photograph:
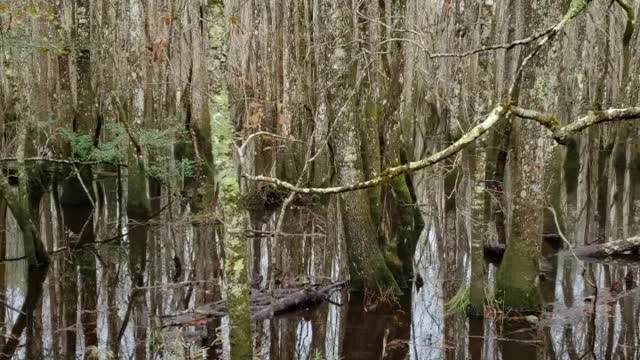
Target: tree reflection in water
[27,318]
[46,312]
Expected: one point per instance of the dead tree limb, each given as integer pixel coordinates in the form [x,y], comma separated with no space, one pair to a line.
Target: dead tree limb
[506,46]
[302,298]
[264,305]
[629,246]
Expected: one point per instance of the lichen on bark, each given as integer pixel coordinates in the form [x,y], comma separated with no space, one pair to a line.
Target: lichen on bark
[235,222]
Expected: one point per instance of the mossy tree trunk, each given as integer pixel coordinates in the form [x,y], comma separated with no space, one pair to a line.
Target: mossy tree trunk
[401,219]
[198,119]
[518,276]
[18,200]
[483,74]
[199,126]
[366,262]
[15,131]
[235,219]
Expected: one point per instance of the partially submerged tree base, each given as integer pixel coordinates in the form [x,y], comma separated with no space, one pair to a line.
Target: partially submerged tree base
[524,299]
[517,283]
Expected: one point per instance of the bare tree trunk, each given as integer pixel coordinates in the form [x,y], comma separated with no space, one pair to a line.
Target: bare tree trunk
[368,268]
[85,112]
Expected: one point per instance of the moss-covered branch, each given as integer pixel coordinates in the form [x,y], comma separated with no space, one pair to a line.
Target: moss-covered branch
[472,135]
[562,133]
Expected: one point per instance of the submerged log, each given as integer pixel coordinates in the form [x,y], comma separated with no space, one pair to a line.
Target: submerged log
[297,300]
[264,304]
[625,247]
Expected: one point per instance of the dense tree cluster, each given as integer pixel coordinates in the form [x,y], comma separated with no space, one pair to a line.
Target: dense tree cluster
[360,125]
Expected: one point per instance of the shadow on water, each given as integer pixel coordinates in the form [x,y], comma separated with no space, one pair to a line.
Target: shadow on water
[108,298]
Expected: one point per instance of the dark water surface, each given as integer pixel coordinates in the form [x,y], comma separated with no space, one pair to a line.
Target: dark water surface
[89,301]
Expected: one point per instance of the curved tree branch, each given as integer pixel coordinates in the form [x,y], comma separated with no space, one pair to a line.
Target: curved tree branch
[494,116]
[560,133]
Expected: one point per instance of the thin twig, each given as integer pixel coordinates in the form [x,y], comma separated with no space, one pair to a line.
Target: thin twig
[560,233]
[564,238]
[93,204]
[504,46]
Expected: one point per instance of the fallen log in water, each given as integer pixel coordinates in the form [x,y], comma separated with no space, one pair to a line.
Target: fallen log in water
[264,304]
[626,247]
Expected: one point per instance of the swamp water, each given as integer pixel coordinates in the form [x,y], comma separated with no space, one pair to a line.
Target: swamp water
[89,301]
